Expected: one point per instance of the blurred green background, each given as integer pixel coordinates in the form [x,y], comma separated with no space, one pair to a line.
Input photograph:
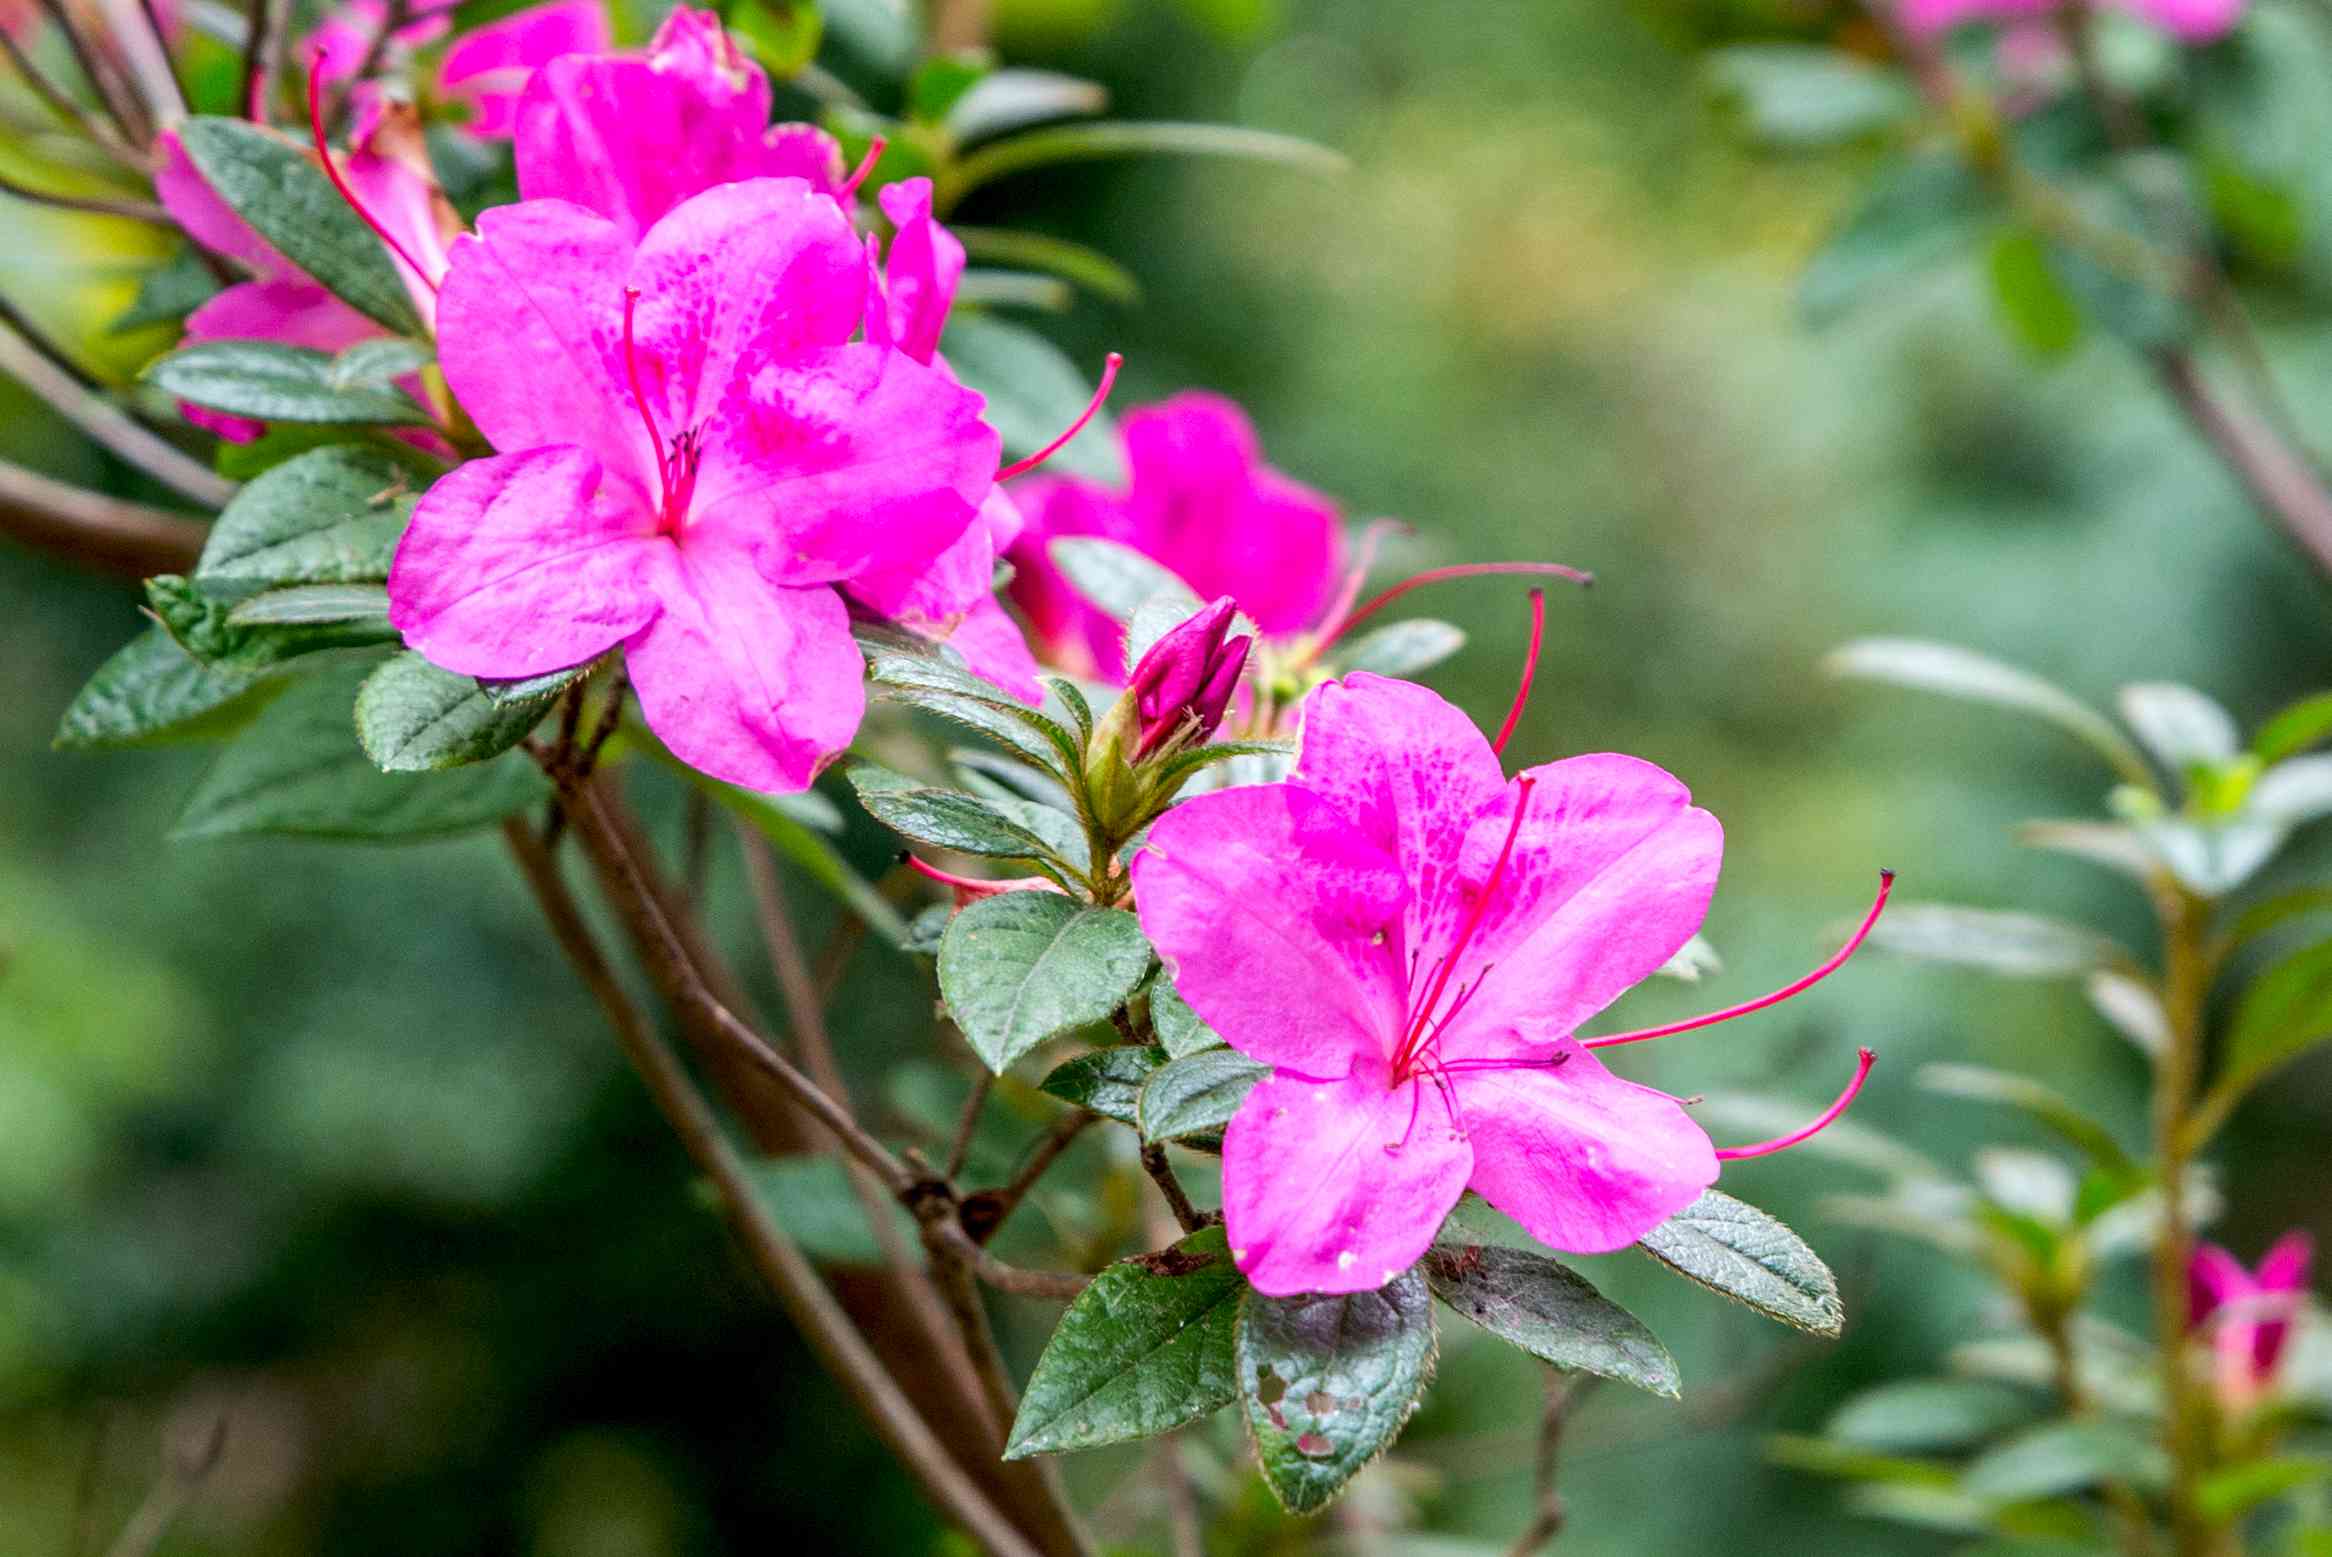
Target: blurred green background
[322,1137]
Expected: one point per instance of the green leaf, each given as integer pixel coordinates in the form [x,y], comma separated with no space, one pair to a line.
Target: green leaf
[1034,395]
[1551,1312]
[1023,967]
[942,818]
[298,770]
[1328,1382]
[2273,913]
[782,35]
[331,516]
[315,605]
[941,81]
[812,1199]
[152,692]
[1178,1027]
[1107,1081]
[1133,138]
[1116,579]
[1197,1094]
[1801,97]
[913,674]
[1924,209]
[2012,944]
[412,717]
[1957,672]
[278,188]
[1011,99]
[2235,1491]
[2180,726]
[2294,729]
[1739,1251]
[1922,1415]
[2049,1107]
[534,689]
[167,293]
[2061,1457]
[1403,648]
[1150,1345]
[273,383]
[201,617]
[2040,314]
[2111,844]
[2284,1013]
[1089,268]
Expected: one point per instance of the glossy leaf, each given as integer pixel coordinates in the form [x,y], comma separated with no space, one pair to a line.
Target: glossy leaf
[201,618]
[152,692]
[1178,1027]
[1197,1094]
[1107,1081]
[274,383]
[1034,394]
[942,818]
[1007,100]
[330,516]
[1023,967]
[920,677]
[1150,1345]
[1741,1252]
[315,605]
[1551,1312]
[1961,673]
[277,187]
[412,717]
[1328,1382]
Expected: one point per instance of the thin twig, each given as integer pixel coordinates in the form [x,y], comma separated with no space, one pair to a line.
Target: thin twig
[64,105]
[821,1320]
[1047,1151]
[1563,1396]
[97,531]
[261,46]
[137,36]
[53,380]
[187,1463]
[1161,1173]
[967,1124]
[95,205]
[128,113]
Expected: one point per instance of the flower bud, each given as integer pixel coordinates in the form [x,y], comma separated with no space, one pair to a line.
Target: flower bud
[1184,684]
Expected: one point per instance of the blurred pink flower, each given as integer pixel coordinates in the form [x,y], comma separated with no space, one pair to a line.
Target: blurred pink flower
[2247,1316]
[1411,940]
[2192,21]
[699,465]
[485,69]
[1201,501]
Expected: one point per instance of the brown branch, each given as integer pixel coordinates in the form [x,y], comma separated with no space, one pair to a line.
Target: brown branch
[97,531]
[261,47]
[1563,1396]
[967,1124]
[823,1324]
[1161,1173]
[53,377]
[1058,1137]
[129,114]
[136,35]
[63,104]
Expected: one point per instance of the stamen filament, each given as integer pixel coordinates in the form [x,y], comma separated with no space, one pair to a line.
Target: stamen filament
[1798,986]
[339,182]
[1421,1024]
[1437,575]
[866,165]
[631,368]
[1823,1121]
[930,872]
[1108,378]
[1538,634]
[1365,555]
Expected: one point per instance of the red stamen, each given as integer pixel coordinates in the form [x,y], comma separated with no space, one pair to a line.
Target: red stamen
[1436,575]
[1414,1040]
[631,368]
[340,183]
[1837,961]
[1827,1118]
[1538,633]
[1108,378]
[1371,536]
[866,165]
[930,872]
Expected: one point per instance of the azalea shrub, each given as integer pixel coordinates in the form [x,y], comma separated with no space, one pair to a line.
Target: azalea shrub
[574,415]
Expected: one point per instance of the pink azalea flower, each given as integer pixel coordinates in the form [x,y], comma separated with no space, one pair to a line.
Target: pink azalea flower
[485,69]
[630,137]
[699,465]
[2247,1316]
[1411,941]
[1200,500]
[2191,21]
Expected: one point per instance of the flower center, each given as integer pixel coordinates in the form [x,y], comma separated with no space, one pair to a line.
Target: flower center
[1419,1048]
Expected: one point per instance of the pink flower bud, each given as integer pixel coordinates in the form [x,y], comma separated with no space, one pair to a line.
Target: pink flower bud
[1184,684]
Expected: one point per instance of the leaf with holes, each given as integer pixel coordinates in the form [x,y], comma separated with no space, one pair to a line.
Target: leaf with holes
[1107,1081]
[412,717]
[1551,1312]
[1023,967]
[273,383]
[1739,1251]
[330,516]
[1329,1381]
[1144,1349]
[152,692]
[1196,1095]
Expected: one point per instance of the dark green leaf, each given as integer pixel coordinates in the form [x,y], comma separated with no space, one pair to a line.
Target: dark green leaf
[1750,1257]
[916,675]
[1800,97]
[1034,394]
[1551,1312]
[1089,268]
[1023,967]
[1178,1027]
[331,516]
[412,717]
[1922,1415]
[1402,649]
[299,770]
[315,605]
[168,293]
[1329,1381]
[1184,763]
[1148,1346]
[1080,712]
[1924,209]
[2061,1457]
[200,617]
[152,692]
[1107,1081]
[278,188]
[2284,1013]
[942,818]
[273,383]
[1197,1094]
[535,689]
[1957,672]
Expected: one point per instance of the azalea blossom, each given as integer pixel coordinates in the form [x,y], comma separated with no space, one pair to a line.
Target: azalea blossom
[1200,500]
[2190,21]
[698,464]
[1411,941]
[2247,1316]
[484,70]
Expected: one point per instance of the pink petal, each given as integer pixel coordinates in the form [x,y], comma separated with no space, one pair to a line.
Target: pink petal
[1272,912]
[921,274]
[744,680]
[492,65]
[408,204]
[1338,1186]
[733,277]
[2214,1278]
[932,594]
[1584,1161]
[2284,1272]
[291,312]
[805,152]
[994,650]
[851,463]
[1072,632]
[530,325]
[518,564]
[1610,874]
[2190,21]
[207,218]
